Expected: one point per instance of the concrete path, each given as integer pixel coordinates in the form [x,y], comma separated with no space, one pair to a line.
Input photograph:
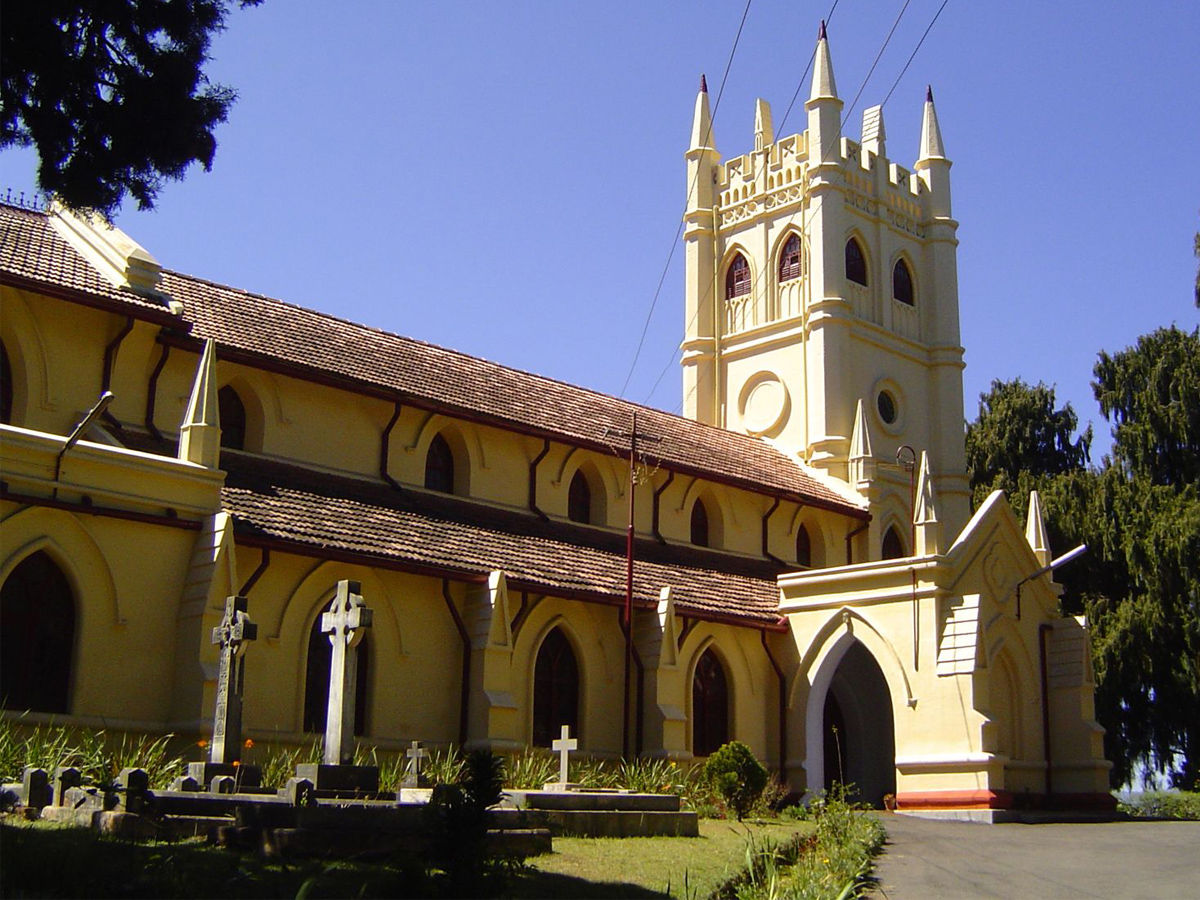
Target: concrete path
[933,860]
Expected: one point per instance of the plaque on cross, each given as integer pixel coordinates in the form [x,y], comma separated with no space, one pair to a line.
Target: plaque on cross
[345,622]
[564,745]
[412,773]
[230,637]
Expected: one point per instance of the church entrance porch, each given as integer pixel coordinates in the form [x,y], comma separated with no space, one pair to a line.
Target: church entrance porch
[857,728]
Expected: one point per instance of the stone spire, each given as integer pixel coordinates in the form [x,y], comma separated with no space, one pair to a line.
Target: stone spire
[200,436]
[925,511]
[702,135]
[1035,530]
[764,131]
[823,85]
[862,462]
[931,133]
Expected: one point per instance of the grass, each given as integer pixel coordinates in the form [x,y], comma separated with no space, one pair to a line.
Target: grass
[649,867]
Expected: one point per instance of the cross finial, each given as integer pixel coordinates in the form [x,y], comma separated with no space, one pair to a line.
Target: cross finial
[703,84]
[929,93]
[821,31]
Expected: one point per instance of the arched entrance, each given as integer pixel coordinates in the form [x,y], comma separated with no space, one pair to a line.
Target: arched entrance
[857,729]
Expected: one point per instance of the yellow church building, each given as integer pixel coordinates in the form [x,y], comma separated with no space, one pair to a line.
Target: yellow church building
[808,576]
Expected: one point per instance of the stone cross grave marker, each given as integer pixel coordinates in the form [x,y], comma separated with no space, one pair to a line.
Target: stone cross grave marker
[412,773]
[564,746]
[345,622]
[230,637]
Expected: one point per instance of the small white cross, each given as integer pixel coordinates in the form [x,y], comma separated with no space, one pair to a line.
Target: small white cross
[564,746]
[415,754]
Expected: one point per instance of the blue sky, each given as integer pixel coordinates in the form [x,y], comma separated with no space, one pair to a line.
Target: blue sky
[507,179]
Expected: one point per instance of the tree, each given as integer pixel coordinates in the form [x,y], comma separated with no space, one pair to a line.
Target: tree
[1019,439]
[111,93]
[1139,514]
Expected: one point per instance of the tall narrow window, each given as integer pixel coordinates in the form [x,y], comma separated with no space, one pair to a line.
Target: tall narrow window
[316,681]
[6,387]
[893,548]
[902,283]
[37,636]
[737,278]
[439,466]
[789,260]
[579,499]
[803,547]
[233,418]
[555,689]
[856,263]
[699,524]
[710,705]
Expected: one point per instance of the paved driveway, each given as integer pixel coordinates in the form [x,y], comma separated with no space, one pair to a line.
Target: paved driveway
[932,860]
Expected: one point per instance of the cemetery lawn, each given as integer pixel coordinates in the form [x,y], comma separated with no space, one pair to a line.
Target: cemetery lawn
[43,860]
[651,866]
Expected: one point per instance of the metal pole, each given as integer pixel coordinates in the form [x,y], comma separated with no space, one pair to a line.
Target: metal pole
[629,585]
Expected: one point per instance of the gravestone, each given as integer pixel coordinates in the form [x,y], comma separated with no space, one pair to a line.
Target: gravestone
[412,772]
[345,622]
[225,749]
[564,745]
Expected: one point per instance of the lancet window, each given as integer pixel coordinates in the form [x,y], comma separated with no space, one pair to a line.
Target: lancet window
[803,547]
[579,499]
[710,705]
[902,283]
[856,262]
[233,418]
[37,636]
[789,260]
[700,535]
[737,278]
[555,689]
[439,466]
[893,547]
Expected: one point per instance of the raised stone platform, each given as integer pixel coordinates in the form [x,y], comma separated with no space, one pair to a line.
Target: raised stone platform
[609,813]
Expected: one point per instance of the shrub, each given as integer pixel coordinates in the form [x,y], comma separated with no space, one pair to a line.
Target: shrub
[1164,805]
[739,777]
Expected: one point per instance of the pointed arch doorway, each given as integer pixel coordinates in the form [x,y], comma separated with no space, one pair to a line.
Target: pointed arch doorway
[857,733]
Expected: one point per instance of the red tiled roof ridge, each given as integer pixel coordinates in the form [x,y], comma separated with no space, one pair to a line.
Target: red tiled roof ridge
[691,423]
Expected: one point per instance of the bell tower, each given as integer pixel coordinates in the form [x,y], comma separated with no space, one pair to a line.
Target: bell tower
[821,281]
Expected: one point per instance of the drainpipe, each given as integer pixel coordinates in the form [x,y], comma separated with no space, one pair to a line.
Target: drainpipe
[782,703]
[384,445]
[533,480]
[257,573]
[850,541]
[465,694]
[110,357]
[766,531]
[152,392]
[1042,630]
[654,515]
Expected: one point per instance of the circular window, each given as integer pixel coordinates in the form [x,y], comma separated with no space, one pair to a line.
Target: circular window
[887,407]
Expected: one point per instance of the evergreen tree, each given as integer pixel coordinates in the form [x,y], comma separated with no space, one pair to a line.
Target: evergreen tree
[111,93]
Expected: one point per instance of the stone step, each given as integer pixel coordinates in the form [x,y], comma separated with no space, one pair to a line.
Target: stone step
[622,823]
[622,801]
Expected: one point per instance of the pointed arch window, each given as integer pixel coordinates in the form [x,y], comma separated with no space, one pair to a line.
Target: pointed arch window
[856,262]
[737,278]
[803,547]
[555,689]
[789,260]
[902,283]
[579,499]
[699,524]
[893,547]
[233,419]
[6,387]
[710,705]
[316,680]
[439,466]
[37,636]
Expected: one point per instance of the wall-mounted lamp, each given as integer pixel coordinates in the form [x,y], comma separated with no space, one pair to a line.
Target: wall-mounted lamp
[1049,567]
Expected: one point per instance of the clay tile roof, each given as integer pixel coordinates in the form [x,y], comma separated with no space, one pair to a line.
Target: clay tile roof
[435,533]
[30,249]
[272,331]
